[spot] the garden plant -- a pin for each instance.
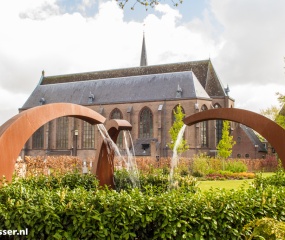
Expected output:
(71, 205)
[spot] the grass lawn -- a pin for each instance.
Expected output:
(227, 184)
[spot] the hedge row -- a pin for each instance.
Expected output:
(70, 211)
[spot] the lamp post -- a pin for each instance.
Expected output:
(166, 149)
(75, 147)
(256, 147)
(84, 168)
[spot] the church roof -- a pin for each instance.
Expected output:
(203, 70)
(253, 138)
(140, 88)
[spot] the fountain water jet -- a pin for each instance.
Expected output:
(131, 161)
(175, 156)
(104, 160)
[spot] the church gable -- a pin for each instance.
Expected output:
(213, 85)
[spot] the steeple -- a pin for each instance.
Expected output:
(143, 54)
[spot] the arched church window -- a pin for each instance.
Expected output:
(175, 110)
(146, 123)
(219, 126)
(117, 114)
(38, 138)
(238, 139)
(62, 133)
(88, 135)
(204, 130)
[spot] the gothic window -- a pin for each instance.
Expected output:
(175, 109)
(117, 114)
(88, 135)
(238, 139)
(146, 123)
(38, 138)
(219, 126)
(204, 130)
(62, 133)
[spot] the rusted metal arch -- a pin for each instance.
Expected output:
(104, 160)
(17, 130)
(271, 131)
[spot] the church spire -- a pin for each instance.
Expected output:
(143, 54)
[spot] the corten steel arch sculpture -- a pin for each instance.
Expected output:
(16, 131)
(271, 131)
(104, 160)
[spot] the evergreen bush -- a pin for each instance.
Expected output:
(58, 211)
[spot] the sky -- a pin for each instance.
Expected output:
(245, 41)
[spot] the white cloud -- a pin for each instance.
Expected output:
(254, 41)
(170, 41)
(9, 104)
(42, 11)
(256, 97)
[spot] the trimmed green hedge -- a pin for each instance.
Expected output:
(156, 181)
(278, 179)
(65, 212)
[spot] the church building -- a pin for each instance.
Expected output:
(145, 96)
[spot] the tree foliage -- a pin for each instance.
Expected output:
(270, 112)
(175, 129)
(275, 113)
(146, 3)
(265, 228)
(226, 144)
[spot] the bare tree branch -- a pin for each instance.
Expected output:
(146, 3)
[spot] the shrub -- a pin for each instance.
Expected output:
(64, 213)
(235, 166)
(265, 228)
(198, 173)
(215, 176)
(278, 179)
(69, 180)
(57, 164)
(222, 175)
(204, 165)
(156, 181)
(269, 164)
(201, 164)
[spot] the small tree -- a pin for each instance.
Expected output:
(226, 144)
(175, 129)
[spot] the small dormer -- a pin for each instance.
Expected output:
(42, 101)
(178, 92)
(91, 98)
(227, 90)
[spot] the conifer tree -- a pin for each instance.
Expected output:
(226, 144)
(175, 129)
